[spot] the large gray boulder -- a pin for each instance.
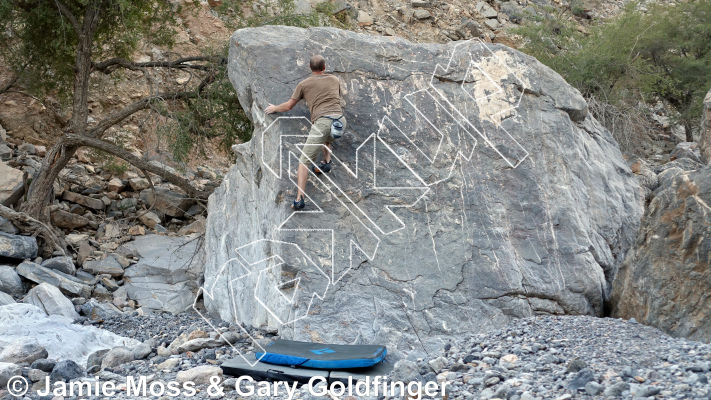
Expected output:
(167, 276)
(66, 283)
(16, 246)
(450, 237)
(50, 300)
(10, 282)
(23, 351)
(62, 339)
(666, 279)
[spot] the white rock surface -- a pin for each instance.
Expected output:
(62, 339)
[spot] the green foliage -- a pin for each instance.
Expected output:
(664, 53)
(214, 118)
(281, 12)
(37, 35)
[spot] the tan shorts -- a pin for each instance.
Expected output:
(319, 135)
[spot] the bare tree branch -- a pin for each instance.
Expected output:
(133, 108)
(70, 16)
(79, 140)
(110, 65)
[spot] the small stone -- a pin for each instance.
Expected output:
(163, 352)
(405, 371)
(138, 184)
(617, 389)
(51, 300)
(168, 364)
(63, 264)
(116, 185)
(421, 14)
(116, 357)
(16, 246)
(492, 24)
(438, 364)
(86, 201)
(150, 219)
(364, 19)
(593, 388)
(96, 358)
(68, 220)
(141, 351)
(10, 281)
(36, 375)
(420, 3)
(65, 371)
(136, 230)
(43, 364)
(575, 365)
(581, 379)
(200, 375)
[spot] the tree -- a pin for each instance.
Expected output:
(58, 44)
(661, 53)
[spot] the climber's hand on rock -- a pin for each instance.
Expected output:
(270, 109)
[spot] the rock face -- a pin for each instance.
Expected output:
(166, 276)
(705, 141)
(62, 339)
(497, 196)
(666, 279)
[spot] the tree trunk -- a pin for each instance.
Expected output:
(39, 196)
(688, 131)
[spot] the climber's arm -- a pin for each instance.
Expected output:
(283, 107)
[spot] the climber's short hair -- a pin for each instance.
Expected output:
(317, 63)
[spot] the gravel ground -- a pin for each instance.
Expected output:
(573, 357)
(536, 358)
(162, 326)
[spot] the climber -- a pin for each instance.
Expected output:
(322, 93)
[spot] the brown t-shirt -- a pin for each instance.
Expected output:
(322, 94)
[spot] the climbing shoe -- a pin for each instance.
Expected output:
(298, 204)
(322, 167)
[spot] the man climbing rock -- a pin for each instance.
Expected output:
(322, 93)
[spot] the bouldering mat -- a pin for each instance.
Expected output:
(238, 366)
(320, 355)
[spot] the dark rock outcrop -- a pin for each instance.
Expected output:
(705, 140)
(457, 201)
(666, 279)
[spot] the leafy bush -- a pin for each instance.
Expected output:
(663, 53)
